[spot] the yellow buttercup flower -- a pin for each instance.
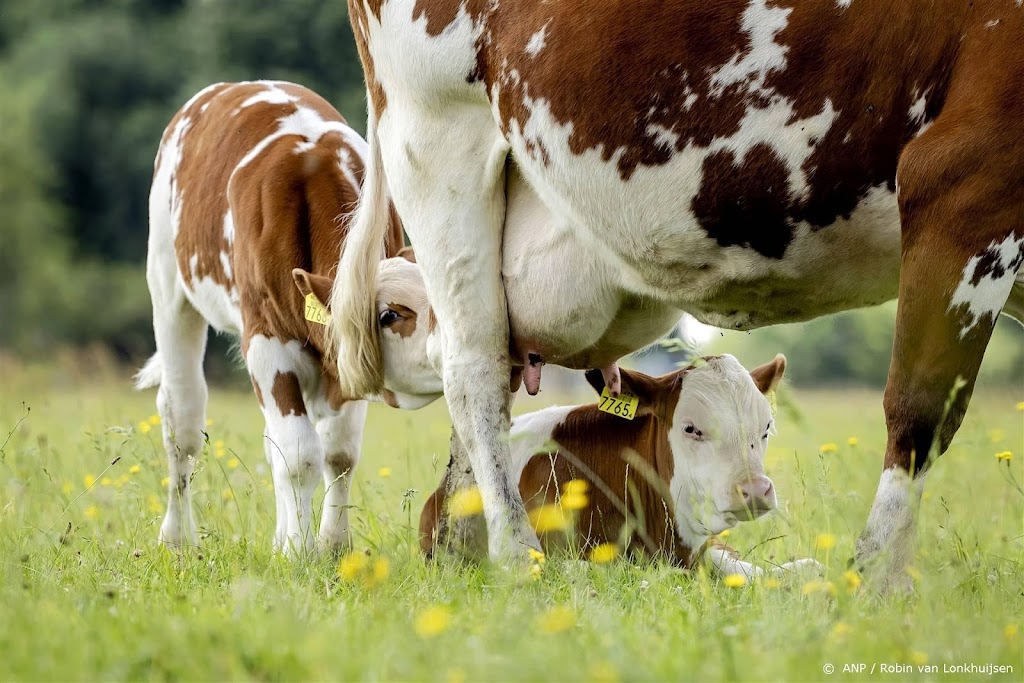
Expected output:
(106, 481)
(852, 580)
(380, 572)
(89, 480)
(912, 573)
(233, 463)
(209, 422)
(154, 420)
(67, 487)
(153, 505)
(135, 469)
(535, 571)
(604, 553)
(1020, 406)
(825, 541)
(456, 676)
(537, 556)
(227, 494)
(828, 448)
(573, 501)
(1004, 456)
(352, 565)
(770, 582)
(724, 533)
(143, 427)
(92, 512)
(1010, 631)
(432, 621)
(165, 481)
(735, 581)
(548, 518)
(466, 503)
(575, 486)
(556, 620)
(852, 441)
(355, 567)
(919, 658)
(384, 472)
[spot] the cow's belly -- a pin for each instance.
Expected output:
(646, 228)
(565, 301)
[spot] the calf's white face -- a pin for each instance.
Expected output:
(717, 421)
(408, 345)
(718, 433)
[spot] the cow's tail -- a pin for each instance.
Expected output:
(354, 335)
(150, 374)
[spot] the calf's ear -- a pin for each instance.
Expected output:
(407, 253)
(317, 284)
(649, 390)
(768, 377)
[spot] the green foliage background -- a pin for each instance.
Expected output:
(87, 88)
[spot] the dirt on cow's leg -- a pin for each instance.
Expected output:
(464, 534)
(963, 244)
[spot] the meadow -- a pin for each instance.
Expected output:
(87, 594)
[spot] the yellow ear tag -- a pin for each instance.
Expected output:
(315, 311)
(623, 406)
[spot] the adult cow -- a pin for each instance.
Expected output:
(750, 162)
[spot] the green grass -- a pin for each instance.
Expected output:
(86, 593)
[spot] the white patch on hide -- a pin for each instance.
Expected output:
(988, 296)
(752, 66)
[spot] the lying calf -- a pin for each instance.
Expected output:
(688, 466)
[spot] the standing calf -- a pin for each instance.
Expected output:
(688, 466)
(253, 180)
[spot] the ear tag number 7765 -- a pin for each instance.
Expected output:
(315, 311)
(623, 406)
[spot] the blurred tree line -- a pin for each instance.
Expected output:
(88, 86)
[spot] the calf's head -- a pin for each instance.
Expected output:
(408, 347)
(717, 422)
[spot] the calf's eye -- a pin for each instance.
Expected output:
(388, 317)
(691, 431)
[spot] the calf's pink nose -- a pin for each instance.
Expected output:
(758, 493)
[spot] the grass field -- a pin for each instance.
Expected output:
(86, 593)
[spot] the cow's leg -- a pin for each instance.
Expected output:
(451, 188)
(963, 242)
(279, 371)
(342, 437)
(181, 401)
(466, 535)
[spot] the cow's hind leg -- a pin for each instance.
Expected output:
(181, 401)
(279, 371)
(450, 187)
(962, 207)
(341, 434)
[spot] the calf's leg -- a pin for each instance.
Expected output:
(279, 371)
(342, 437)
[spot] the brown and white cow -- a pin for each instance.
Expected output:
(687, 466)
(251, 181)
(750, 162)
